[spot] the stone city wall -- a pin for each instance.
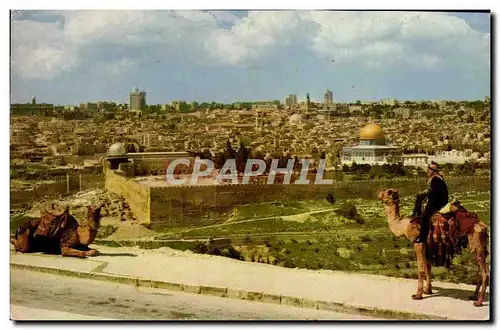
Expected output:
(189, 205)
(136, 195)
(177, 206)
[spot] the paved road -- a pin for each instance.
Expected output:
(72, 298)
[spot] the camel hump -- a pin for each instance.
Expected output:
(52, 223)
(446, 209)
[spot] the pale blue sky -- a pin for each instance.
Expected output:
(68, 57)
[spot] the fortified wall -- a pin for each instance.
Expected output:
(178, 206)
(136, 195)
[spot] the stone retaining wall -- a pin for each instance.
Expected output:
(136, 195)
(178, 206)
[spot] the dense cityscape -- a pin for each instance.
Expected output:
(453, 132)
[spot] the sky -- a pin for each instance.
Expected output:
(70, 57)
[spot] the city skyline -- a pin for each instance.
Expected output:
(69, 57)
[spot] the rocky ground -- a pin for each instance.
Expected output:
(114, 205)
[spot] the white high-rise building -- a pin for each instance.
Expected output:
(290, 100)
(328, 97)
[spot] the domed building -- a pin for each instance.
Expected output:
(372, 149)
(295, 119)
(150, 163)
(117, 149)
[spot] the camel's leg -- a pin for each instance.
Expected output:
(13, 239)
(420, 252)
(70, 252)
(474, 247)
(484, 283)
(428, 277)
(22, 243)
(483, 267)
(478, 286)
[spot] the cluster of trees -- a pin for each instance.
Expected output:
(363, 171)
(381, 171)
(243, 153)
(195, 106)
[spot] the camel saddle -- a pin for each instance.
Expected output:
(51, 223)
(447, 234)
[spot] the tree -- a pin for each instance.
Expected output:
(205, 154)
(467, 168)
(353, 168)
(241, 158)
(219, 160)
(184, 107)
(130, 147)
(296, 163)
(194, 106)
(376, 171)
(229, 152)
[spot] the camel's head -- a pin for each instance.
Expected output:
(389, 196)
(94, 216)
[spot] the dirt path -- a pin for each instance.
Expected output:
(257, 219)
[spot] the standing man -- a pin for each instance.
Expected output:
(437, 198)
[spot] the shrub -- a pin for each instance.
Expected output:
(247, 239)
(289, 263)
(365, 238)
(330, 199)
(360, 220)
(200, 248)
(347, 210)
(316, 249)
(293, 240)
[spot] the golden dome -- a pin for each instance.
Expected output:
(371, 132)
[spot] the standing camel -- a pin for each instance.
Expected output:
(476, 234)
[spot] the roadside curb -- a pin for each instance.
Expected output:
(235, 294)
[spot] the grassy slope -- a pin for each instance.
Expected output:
(329, 241)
